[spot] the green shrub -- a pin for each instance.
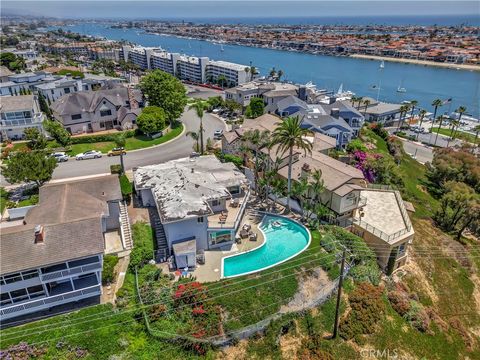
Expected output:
(90, 139)
(125, 186)
(236, 160)
(356, 145)
(109, 262)
(115, 169)
(143, 248)
(328, 243)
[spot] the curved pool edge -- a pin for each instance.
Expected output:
(269, 266)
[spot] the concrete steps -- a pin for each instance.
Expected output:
(162, 253)
(126, 229)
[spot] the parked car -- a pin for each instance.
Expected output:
(194, 154)
(60, 156)
(91, 154)
(116, 151)
(218, 134)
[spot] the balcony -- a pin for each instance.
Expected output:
(72, 271)
(362, 201)
(233, 213)
(8, 312)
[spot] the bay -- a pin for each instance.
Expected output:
(423, 83)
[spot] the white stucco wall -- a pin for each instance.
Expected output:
(187, 228)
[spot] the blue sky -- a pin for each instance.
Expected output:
(217, 8)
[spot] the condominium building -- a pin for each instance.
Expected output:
(17, 114)
(189, 68)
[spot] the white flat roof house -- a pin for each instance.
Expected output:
(17, 114)
(199, 199)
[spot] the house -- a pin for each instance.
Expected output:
(200, 203)
(270, 92)
(54, 255)
(4, 74)
(17, 114)
(90, 111)
(380, 112)
(385, 226)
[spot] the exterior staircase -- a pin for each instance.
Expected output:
(125, 227)
(162, 253)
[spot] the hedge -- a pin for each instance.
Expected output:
(125, 186)
(89, 139)
(109, 262)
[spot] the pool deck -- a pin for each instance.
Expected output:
(212, 269)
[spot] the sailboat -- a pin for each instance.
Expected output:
(401, 89)
(221, 47)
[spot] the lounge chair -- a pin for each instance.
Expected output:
(244, 233)
(247, 227)
(253, 237)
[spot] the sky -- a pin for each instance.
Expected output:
(185, 9)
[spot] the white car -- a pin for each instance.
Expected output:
(218, 134)
(91, 154)
(60, 156)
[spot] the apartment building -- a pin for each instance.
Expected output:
(200, 203)
(17, 114)
(54, 255)
(188, 68)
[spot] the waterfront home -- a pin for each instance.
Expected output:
(385, 226)
(90, 111)
(53, 255)
(270, 92)
(377, 111)
(199, 202)
(17, 114)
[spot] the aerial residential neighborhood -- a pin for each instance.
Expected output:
(239, 186)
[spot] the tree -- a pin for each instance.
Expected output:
(31, 166)
(441, 117)
(287, 136)
(215, 102)
(199, 107)
(359, 99)
(36, 140)
(255, 108)
(422, 114)
(221, 80)
(151, 120)
(403, 112)
(120, 140)
(256, 140)
(279, 74)
(196, 137)
(57, 131)
(461, 110)
(164, 90)
(477, 130)
(366, 102)
(413, 104)
(436, 104)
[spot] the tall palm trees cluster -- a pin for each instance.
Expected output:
(288, 137)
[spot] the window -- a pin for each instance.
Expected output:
(102, 124)
(90, 260)
(115, 122)
(105, 112)
(401, 250)
(67, 90)
(12, 278)
(215, 202)
(76, 116)
(200, 219)
(30, 274)
(5, 299)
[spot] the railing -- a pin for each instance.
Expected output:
(71, 271)
(231, 224)
(51, 300)
(379, 233)
(361, 202)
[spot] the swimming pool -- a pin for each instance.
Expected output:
(282, 242)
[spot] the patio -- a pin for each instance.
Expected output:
(229, 216)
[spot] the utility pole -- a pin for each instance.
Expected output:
(339, 295)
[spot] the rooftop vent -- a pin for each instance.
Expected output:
(39, 234)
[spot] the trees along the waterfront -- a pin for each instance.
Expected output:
(288, 135)
(461, 110)
(422, 114)
(436, 104)
(366, 102)
(441, 117)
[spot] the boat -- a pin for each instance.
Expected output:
(221, 47)
(401, 89)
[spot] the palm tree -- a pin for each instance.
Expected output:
(477, 130)
(366, 102)
(359, 99)
(253, 72)
(288, 135)
(353, 100)
(454, 123)
(195, 136)
(403, 113)
(273, 73)
(120, 141)
(461, 110)
(279, 74)
(247, 70)
(257, 140)
(422, 114)
(413, 104)
(436, 103)
(438, 130)
(199, 107)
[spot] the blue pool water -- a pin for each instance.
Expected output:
(281, 243)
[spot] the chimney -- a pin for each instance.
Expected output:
(39, 234)
(131, 99)
(335, 112)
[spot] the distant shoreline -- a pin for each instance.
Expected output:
(418, 62)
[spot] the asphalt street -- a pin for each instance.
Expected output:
(179, 147)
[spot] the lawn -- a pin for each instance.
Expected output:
(462, 135)
(132, 143)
